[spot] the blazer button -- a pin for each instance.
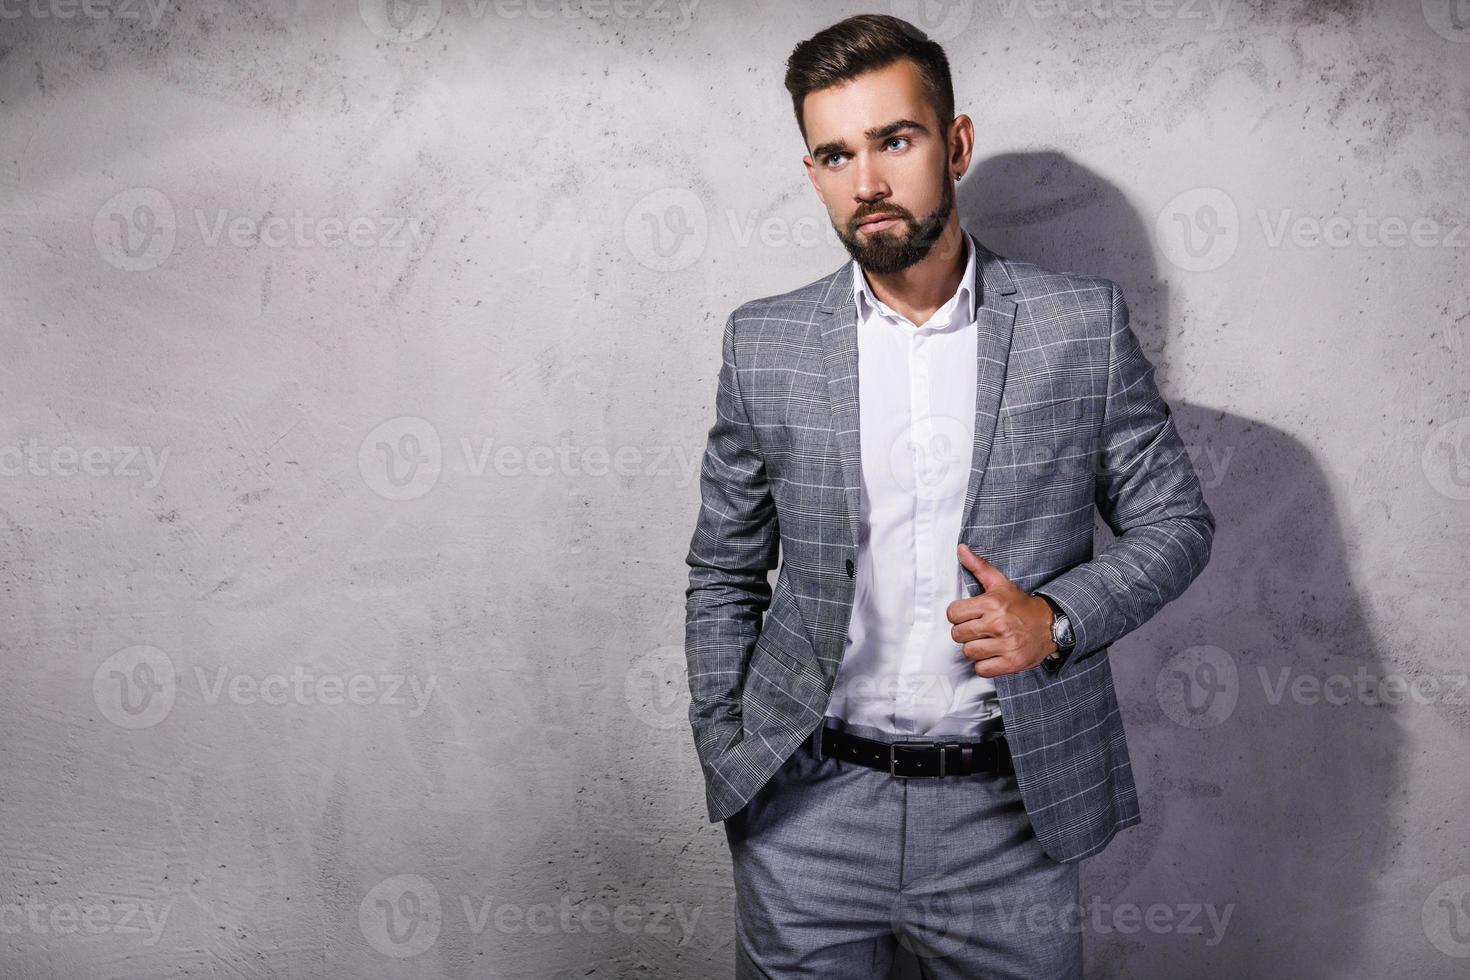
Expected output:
(850, 570)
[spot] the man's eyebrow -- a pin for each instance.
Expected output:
(875, 135)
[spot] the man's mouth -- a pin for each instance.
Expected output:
(877, 222)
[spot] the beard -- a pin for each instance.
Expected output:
(885, 252)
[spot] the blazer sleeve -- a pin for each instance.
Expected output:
(735, 543)
(1149, 495)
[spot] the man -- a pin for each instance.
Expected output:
(914, 736)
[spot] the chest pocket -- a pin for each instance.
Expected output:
(1053, 418)
(1045, 444)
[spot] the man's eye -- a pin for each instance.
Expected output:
(830, 157)
(898, 139)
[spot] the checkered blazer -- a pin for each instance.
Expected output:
(1068, 422)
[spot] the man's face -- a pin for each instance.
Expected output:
(881, 165)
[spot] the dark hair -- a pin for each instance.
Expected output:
(866, 43)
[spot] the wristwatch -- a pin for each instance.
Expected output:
(1061, 635)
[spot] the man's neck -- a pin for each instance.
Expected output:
(918, 291)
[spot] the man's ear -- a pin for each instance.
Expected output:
(963, 138)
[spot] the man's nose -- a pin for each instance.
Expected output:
(872, 183)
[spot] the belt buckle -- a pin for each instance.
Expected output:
(893, 754)
(944, 748)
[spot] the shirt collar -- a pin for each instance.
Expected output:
(957, 311)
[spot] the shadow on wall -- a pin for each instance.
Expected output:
(1265, 764)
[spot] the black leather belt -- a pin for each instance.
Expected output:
(931, 757)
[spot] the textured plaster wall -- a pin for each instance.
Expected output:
(356, 363)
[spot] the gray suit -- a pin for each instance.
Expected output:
(1067, 416)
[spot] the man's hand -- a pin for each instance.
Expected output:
(1004, 630)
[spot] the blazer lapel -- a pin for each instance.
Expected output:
(995, 316)
(837, 323)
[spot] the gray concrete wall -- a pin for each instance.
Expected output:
(355, 373)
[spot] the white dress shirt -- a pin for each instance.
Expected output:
(901, 670)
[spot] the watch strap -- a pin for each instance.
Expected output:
(1055, 661)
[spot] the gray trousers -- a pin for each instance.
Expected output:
(837, 864)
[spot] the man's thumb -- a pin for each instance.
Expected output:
(989, 577)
